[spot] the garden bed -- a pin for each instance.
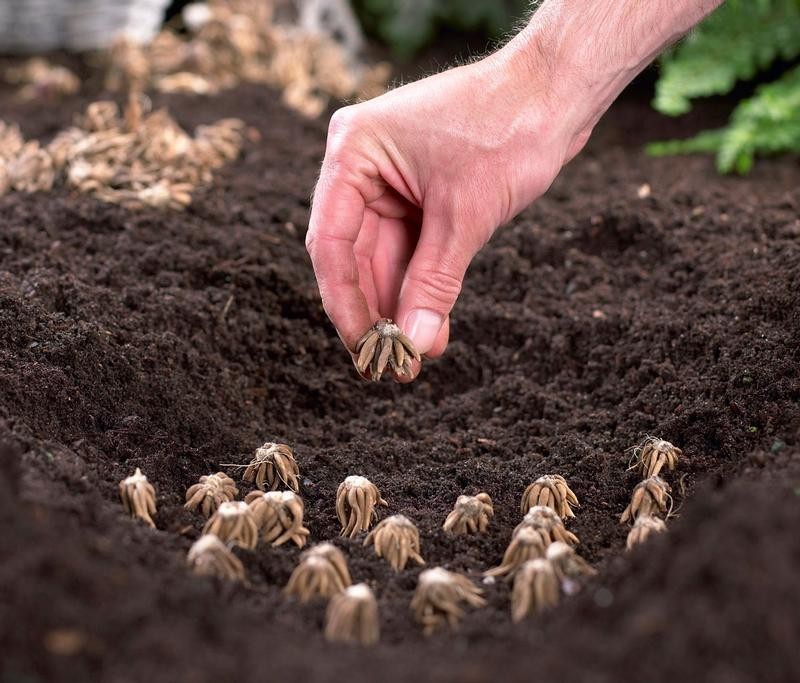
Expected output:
(177, 341)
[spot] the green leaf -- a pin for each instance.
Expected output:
(767, 123)
(740, 39)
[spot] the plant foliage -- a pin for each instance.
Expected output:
(767, 123)
(734, 44)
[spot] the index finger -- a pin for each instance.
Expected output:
(337, 214)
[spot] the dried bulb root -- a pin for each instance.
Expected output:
(100, 116)
(273, 464)
(11, 140)
(5, 179)
(138, 497)
(650, 497)
(396, 539)
(439, 596)
(279, 516)
(552, 491)
(548, 525)
(127, 69)
(644, 527)
(209, 556)
(352, 616)
(654, 454)
(567, 563)
(356, 499)
(62, 146)
(210, 492)
(536, 589)
(41, 80)
(220, 142)
(470, 514)
(526, 544)
(384, 345)
(322, 571)
(162, 194)
(31, 170)
(234, 522)
(186, 83)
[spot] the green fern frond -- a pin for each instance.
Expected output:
(735, 43)
(767, 123)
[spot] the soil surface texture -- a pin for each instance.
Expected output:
(176, 342)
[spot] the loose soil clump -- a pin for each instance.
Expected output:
(176, 342)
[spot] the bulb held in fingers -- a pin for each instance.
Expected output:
(385, 346)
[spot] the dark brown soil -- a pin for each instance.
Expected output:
(175, 342)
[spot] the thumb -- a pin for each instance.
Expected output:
(431, 286)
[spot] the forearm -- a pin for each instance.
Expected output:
(594, 48)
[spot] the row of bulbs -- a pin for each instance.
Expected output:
(540, 558)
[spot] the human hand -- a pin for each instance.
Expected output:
(416, 181)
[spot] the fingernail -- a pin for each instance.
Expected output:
(422, 327)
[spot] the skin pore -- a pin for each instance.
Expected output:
(416, 181)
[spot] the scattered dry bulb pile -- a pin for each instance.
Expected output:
(272, 465)
(127, 68)
(356, 499)
(279, 516)
(136, 158)
(548, 525)
(526, 544)
(470, 514)
(439, 596)
(567, 563)
(536, 589)
(211, 491)
(322, 571)
(209, 556)
(231, 41)
(40, 80)
(234, 522)
(396, 539)
(352, 616)
(643, 528)
(11, 143)
(654, 454)
(650, 497)
(384, 345)
(24, 166)
(138, 497)
(551, 491)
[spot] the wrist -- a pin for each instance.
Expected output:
(545, 62)
(584, 56)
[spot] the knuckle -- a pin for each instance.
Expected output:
(343, 124)
(341, 149)
(310, 243)
(439, 286)
(339, 120)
